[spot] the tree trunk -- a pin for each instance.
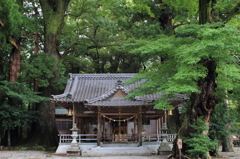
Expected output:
(35, 82)
(204, 11)
(14, 61)
(166, 20)
(227, 144)
(53, 13)
(201, 105)
(14, 72)
(173, 122)
(9, 138)
(53, 17)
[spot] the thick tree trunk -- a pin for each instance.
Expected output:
(227, 144)
(201, 105)
(53, 13)
(14, 72)
(15, 61)
(35, 89)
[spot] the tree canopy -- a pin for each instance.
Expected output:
(179, 46)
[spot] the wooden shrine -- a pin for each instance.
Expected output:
(99, 107)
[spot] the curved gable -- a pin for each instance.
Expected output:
(116, 93)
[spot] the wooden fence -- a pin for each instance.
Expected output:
(66, 138)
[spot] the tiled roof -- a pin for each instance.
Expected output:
(119, 103)
(94, 88)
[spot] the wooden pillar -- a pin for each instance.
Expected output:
(140, 126)
(73, 115)
(158, 128)
(79, 125)
(134, 128)
(103, 126)
(99, 127)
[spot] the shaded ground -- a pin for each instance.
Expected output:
(48, 155)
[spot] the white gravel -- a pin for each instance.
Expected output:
(47, 155)
(4, 154)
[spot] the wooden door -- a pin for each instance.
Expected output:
(120, 131)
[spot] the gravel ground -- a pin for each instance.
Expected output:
(47, 155)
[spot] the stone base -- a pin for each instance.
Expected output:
(164, 149)
(164, 152)
(74, 150)
(74, 145)
(74, 153)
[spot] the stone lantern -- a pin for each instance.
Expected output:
(164, 148)
(74, 148)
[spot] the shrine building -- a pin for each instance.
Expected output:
(97, 104)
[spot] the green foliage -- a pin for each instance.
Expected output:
(140, 6)
(53, 149)
(40, 67)
(183, 5)
(223, 6)
(15, 99)
(11, 19)
(184, 59)
(199, 143)
(38, 148)
(223, 121)
(98, 48)
(23, 148)
(163, 103)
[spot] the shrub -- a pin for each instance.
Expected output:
(38, 148)
(199, 143)
(23, 148)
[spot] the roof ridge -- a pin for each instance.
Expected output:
(115, 75)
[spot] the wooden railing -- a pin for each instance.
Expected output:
(66, 138)
(158, 137)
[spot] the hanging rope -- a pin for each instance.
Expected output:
(119, 120)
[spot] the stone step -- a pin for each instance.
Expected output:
(120, 145)
(118, 151)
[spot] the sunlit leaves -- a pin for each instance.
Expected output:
(190, 6)
(10, 18)
(187, 54)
